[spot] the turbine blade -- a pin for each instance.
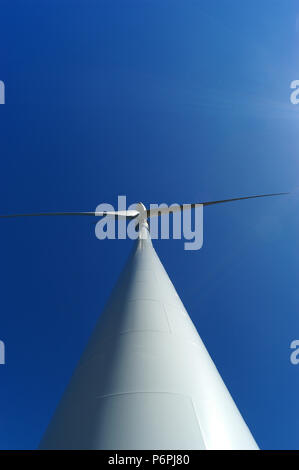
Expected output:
(121, 214)
(131, 214)
(242, 198)
(176, 208)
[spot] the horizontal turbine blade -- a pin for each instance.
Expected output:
(177, 208)
(131, 214)
(241, 198)
(119, 214)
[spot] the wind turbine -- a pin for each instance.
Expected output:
(146, 380)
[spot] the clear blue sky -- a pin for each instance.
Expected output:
(163, 101)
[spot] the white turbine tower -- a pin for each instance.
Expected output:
(146, 380)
